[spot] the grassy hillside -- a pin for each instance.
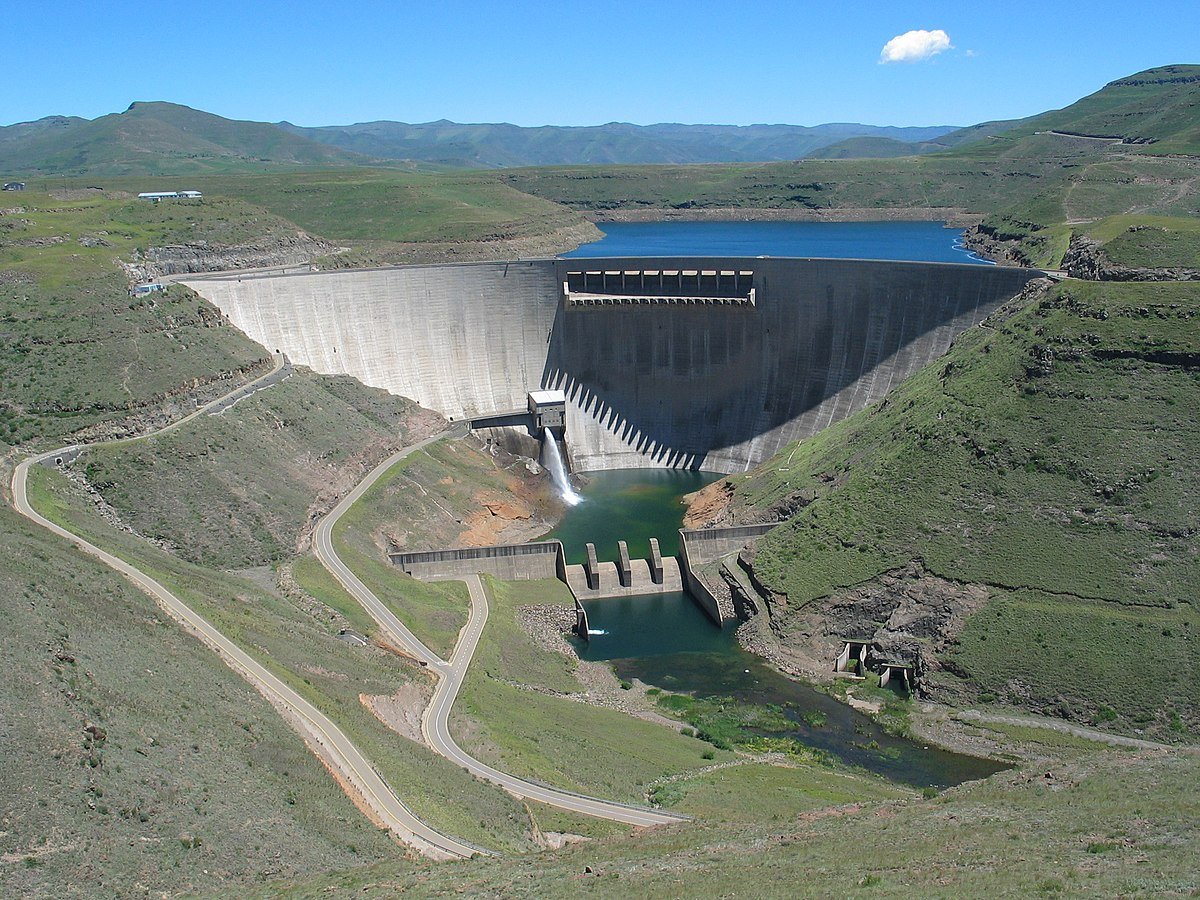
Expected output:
(1052, 459)
(373, 205)
(158, 139)
(1063, 832)
(1155, 109)
(297, 640)
(808, 184)
(133, 756)
(871, 147)
(236, 490)
(75, 348)
(233, 490)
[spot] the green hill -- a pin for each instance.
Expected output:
(873, 148)
(1051, 462)
(158, 139)
(1156, 111)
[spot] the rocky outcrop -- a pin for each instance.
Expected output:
(907, 615)
(181, 259)
(1085, 258)
(157, 412)
(985, 240)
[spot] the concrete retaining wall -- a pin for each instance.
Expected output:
(509, 562)
(707, 545)
(712, 387)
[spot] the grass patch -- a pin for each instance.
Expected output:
(235, 490)
(756, 792)
(184, 746)
(1149, 241)
(315, 579)
(390, 205)
(1002, 837)
(307, 655)
(1058, 742)
(429, 499)
(544, 737)
(1144, 676)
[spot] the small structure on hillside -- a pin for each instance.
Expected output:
(14, 185)
(155, 196)
(548, 408)
(140, 290)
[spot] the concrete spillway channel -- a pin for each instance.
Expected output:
(710, 363)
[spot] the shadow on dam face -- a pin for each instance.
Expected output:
(712, 386)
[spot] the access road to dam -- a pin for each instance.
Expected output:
(435, 722)
(324, 737)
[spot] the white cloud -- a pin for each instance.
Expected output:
(914, 46)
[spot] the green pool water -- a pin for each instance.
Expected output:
(631, 505)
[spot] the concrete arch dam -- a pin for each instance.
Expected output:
(711, 363)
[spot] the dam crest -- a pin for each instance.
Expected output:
(701, 363)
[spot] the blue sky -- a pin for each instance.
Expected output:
(568, 63)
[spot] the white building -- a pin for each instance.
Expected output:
(170, 195)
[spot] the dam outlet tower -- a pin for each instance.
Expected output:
(549, 410)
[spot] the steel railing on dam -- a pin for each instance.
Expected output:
(711, 386)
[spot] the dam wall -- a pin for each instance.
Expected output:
(508, 562)
(651, 379)
(464, 340)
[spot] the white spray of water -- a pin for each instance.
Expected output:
(554, 462)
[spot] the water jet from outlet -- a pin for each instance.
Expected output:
(553, 461)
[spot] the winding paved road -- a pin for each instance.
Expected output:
(353, 769)
(435, 721)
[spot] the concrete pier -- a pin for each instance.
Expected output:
(624, 569)
(591, 570)
(656, 562)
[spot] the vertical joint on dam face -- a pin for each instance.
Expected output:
(656, 563)
(624, 566)
(592, 569)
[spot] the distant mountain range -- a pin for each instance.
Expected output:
(498, 146)
(169, 139)
(1158, 109)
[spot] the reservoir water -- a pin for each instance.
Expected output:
(667, 642)
(918, 241)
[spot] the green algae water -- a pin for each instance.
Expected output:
(666, 641)
(631, 505)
